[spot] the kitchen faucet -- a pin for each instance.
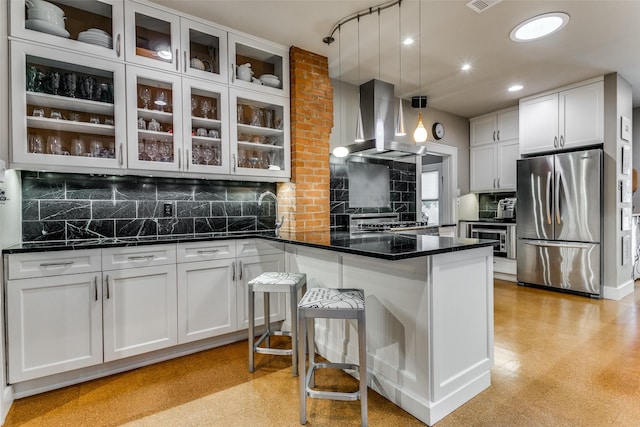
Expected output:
(278, 224)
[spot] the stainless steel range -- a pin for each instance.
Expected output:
(377, 222)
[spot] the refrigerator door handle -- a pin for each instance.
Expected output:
(549, 198)
(547, 243)
(557, 196)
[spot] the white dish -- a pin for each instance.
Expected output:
(97, 31)
(274, 167)
(84, 37)
(45, 15)
(271, 83)
(41, 4)
(269, 76)
(46, 27)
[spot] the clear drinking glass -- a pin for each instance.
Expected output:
(151, 148)
(145, 95)
(77, 147)
(95, 147)
(161, 100)
(205, 106)
(54, 145)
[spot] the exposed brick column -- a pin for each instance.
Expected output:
(305, 200)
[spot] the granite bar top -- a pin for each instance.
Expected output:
(390, 246)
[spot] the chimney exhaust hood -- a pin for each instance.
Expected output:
(377, 107)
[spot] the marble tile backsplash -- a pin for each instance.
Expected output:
(402, 186)
(80, 207)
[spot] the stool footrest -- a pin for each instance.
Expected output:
(269, 350)
(332, 395)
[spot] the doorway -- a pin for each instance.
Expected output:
(446, 157)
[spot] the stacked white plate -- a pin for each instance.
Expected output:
(270, 80)
(97, 37)
(46, 18)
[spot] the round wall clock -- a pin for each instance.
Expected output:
(438, 130)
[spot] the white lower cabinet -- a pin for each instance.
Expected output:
(206, 290)
(139, 303)
(54, 324)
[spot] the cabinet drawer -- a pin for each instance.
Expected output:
(55, 263)
(251, 247)
(138, 256)
(204, 251)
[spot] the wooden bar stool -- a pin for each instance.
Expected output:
(267, 283)
(330, 303)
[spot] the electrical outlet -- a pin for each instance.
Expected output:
(168, 210)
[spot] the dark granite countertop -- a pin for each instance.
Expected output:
(391, 246)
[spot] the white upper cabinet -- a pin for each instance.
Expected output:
(155, 119)
(204, 51)
(494, 150)
(152, 37)
(257, 65)
(67, 111)
(260, 142)
(501, 126)
(92, 26)
(561, 120)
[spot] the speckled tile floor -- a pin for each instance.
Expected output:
(560, 360)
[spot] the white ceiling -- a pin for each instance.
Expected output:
(602, 36)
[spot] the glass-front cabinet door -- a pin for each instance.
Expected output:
(260, 144)
(204, 51)
(206, 127)
(66, 111)
(92, 26)
(154, 111)
(257, 65)
(152, 37)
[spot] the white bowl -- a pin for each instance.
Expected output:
(41, 4)
(46, 15)
(274, 167)
(270, 82)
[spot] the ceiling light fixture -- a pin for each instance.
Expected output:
(539, 26)
(515, 88)
(466, 67)
(340, 150)
(420, 133)
(400, 118)
(408, 41)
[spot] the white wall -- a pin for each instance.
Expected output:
(345, 110)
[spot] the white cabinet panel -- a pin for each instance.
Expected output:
(138, 256)
(206, 251)
(54, 263)
(507, 125)
(483, 130)
(206, 299)
(54, 324)
(508, 154)
(252, 247)
(566, 119)
(483, 164)
(140, 310)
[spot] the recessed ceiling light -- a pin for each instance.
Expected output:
(539, 26)
(515, 88)
(466, 67)
(407, 41)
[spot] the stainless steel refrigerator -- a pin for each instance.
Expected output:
(559, 225)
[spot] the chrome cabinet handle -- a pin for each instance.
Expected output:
(240, 272)
(177, 60)
(555, 141)
(140, 258)
(498, 186)
(494, 183)
(561, 140)
(233, 73)
(185, 61)
(234, 161)
(498, 138)
(494, 135)
(208, 252)
(121, 155)
(233, 271)
(55, 264)
(107, 280)
(95, 287)
(179, 158)
(186, 158)
(118, 45)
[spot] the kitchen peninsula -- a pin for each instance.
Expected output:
(429, 306)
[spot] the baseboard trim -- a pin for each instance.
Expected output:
(619, 292)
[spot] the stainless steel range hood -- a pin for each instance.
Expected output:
(377, 107)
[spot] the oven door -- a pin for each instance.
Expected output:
(497, 234)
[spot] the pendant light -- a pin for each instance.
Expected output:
(400, 118)
(359, 127)
(420, 133)
(341, 150)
